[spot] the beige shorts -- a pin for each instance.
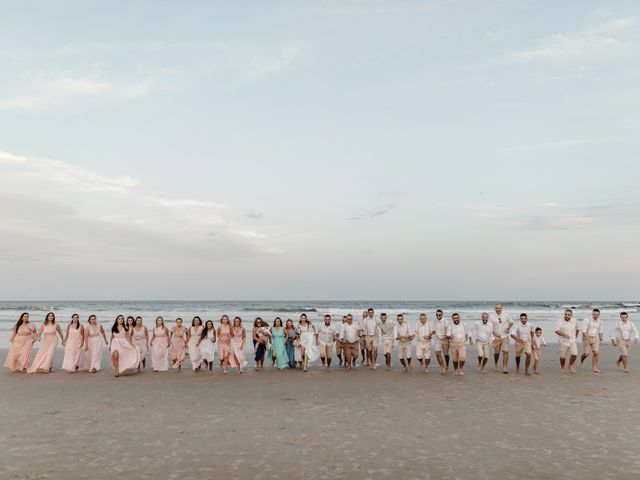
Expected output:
(351, 349)
(442, 345)
(423, 350)
(523, 347)
(340, 346)
(483, 349)
(458, 352)
(371, 341)
(387, 346)
(363, 343)
(404, 349)
(623, 345)
(501, 345)
(591, 344)
(572, 349)
(326, 349)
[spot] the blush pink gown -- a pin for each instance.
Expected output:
(93, 356)
(72, 350)
(140, 342)
(20, 351)
(194, 350)
(236, 350)
(128, 355)
(159, 351)
(178, 347)
(43, 360)
(224, 341)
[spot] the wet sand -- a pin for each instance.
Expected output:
(288, 424)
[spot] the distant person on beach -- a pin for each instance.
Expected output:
(370, 327)
(442, 344)
(325, 338)
(73, 345)
(625, 332)
(290, 338)
(43, 361)
(178, 344)
(523, 334)
(538, 343)
(340, 345)
(592, 336)
(261, 340)
(224, 343)
(567, 331)
(140, 338)
(309, 348)
(386, 328)
(363, 340)
(350, 336)
(160, 346)
(194, 335)
(484, 330)
(23, 336)
(458, 334)
(404, 335)
(502, 325)
(424, 333)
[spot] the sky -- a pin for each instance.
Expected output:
(381, 149)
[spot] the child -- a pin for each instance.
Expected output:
(538, 343)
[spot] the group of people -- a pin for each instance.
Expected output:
(286, 345)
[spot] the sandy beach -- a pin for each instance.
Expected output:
(286, 424)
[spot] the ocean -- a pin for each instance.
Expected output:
(542, 314)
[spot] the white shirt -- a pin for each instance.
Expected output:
(349, 333)
(625, 329)
(369, 325)
(483, 331)
(459, 333)
(440, 326)
(500, 324)
(326, 334)
(387, 329)
(423, 330)
(522, 331)
(591, 327)
(568, 327)
(403, 330)
(538, 342)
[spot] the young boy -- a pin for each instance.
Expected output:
(538, 343)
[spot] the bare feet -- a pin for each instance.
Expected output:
(573, 370)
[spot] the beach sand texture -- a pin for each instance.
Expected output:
(288, 424)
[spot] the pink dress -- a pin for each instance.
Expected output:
(72, 350)
(178, 347)
(18, 357)
(43, 360)
(237, 350)
(140, 342)
(224, 341)
(93, 356)
(194, 350)
(159, 351)
(128, 355)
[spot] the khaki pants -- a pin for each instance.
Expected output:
(458, 352)
(501, 345)
(371, 341)
(387, 346)
(326, 349)
(591, 344)
(572, 349)
(523, 347)
(351, 350)
(483, 348)
(404, 349)
(340, 346)
(623, 345)
(442, 345)
(423, 350)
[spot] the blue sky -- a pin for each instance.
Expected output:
(318, 150)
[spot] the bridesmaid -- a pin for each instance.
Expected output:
(178, 344)
(238, 339)
(160, 347)
(23, 335)
(131, 322)
(309, 348)
(124, 356)
(224, 343)
(194, 336)
(290, 336)
(278, 352)
(93, 344)
(140, 336)
(73, 343)
(43, 361)
(261, 337)
(207, 343)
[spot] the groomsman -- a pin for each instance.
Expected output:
(502, 324)
(424, 333)
(350, 336)
(325, 337)
(404, 336)
(442, 344)
(370, 327)
(387, 328)
(567, 331)
(592, 334)
(522, 333)
(363, 340)
(484, 330)
(340, 346)
(625, 332)
(458, 335)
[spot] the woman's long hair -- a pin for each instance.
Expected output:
(20, 321)
(114, 328)
(205, 330)
(53, 318)
(193, 322)
(77, 318)
(278, 319)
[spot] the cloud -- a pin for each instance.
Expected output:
(377, 212)
(260, 64)
(361, 8)
(595, 41)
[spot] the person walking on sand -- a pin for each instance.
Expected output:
(363, 340)
(340, 346)
(537, 344)
(23, 336)
(160, 347)
(387, 328)
(404, 335)
(625, 330)
(592, 334)
(523, 334)
(484, 330)
(326, 336)
(424, 333)
(350, 336)
(502, 325)
(43, 361)
(370, 327)
(442, 344)
(458, 334)
(178, 344)
(567, 331)
(73, 345)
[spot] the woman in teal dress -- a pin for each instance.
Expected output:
(278, 352)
